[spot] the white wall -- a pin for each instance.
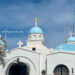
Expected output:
(28, 57)
(67, 59)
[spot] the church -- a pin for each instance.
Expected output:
(35, 58)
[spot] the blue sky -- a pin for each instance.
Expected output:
(17, 15)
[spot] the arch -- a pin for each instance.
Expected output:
(18, 69)
(61, 70)
(25, 60)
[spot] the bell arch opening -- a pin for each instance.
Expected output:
(18, 69)
(61, 70)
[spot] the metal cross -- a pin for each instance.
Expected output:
(71, 34)
(36, 21)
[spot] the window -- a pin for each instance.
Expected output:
(33, 49)
(39, 35)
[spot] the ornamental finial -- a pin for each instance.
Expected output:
(36, 20)
(20, 43)
(71, 34)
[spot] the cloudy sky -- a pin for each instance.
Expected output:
(17, 15)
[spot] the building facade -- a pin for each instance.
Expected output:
(36, 59)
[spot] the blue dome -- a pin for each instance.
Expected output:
(36, 30)
(66, 47)
(2, 42)
(71, 39)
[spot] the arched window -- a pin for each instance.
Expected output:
(61, 70)
(18, 69)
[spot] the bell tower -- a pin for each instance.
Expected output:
(36, 36)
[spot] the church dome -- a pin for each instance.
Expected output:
(69, 45)
(71, 39)
(66, 47)
(2, 42)
(36, 30)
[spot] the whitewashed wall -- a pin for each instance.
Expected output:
(55, 59)
(27, 57)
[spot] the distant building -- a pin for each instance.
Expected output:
(36, 59)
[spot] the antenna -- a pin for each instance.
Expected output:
(6, 34)
(73, 28)
(74, 16)
(64, 33)
(73, 21)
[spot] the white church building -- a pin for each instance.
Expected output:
(36, 59)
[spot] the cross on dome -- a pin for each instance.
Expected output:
(20, 43)
(71, 34)
(36, 20)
